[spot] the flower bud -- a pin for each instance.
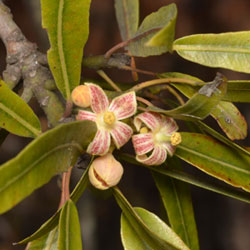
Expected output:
(81, 96)
(105, 172)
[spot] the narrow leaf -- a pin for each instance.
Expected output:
(16, 116)
(51, 153)
(200, 105)
(215, 159)
(177, 201)
(156, 33)
(151, 237)
(226, 50)
(127, 16)
(238, 91)
(67, 24)
(69, 235)
(131, 240)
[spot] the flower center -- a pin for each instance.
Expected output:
(109, 118)
(175, 138)
(143, 130)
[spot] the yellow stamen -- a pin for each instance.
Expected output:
(143, 130)
(175, 139)
(109, 118)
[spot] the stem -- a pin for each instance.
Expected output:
(174, 92)
(68, 109)
(162, 81)
(145, 72)
(140, 99)
(108, 80)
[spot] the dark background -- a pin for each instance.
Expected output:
(223, 223)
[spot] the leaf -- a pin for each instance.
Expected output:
(127, 16)
(131, 240)
(51, 153)
(238, 91)
(226, 50)
(156, 33)
(16, 116)
(67, 24)
(53, 221)
(150, 235)
(69, 235)
(48, 242)
(216, 159)
(231, 121)
(201, 104)
(193, 180)
(177, 201)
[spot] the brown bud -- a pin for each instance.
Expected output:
(81, 96)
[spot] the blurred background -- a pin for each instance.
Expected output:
(223, 223)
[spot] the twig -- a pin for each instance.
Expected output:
(108, 80)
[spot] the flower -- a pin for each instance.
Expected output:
(80, 96)
(107, 118)
(105, 172)
(162, 138)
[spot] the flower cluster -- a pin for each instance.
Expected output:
(157, 137)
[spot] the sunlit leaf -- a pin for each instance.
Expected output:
(51, 153)
(69, 234)
(215, 159)
(226, 50)
(156, 33)
(16, 116)
(67, 24)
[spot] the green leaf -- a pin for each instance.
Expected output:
(67, 24)
(216, 187)
(127, 16)
(51, 153)
(146, 228)
(201, 104)
(48, 242)
(69, 235)
(156, 33)
(226, 50)
(16, 116)
(238, 91)
(216, 159)
(177, 201)
(131, 239)
(53, 221)
(231, 121)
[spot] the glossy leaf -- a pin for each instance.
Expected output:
(16, 116)
(226, 50)
(146, 228)
(51, 153)
(156, 33)
(216, 187)
(231, 121)
(48, 242)
(200, 105)
(69, 235)
(216, 159)
(67, 24)
(177, 201)
(131, 240)
(127, 16)
(238, 91)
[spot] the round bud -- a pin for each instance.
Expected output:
(81, 96)
(105, 172)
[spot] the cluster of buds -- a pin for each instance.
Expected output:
(157, 133)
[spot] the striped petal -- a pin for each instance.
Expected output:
(121, 133)
(99, 100)
(169, 147)
(124, 105)
(85, 115)
(158, 156)
(101, 143)
(169, 125)
(143, 143)
(150, 119)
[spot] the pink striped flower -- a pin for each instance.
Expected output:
(161, 140)
(107, 117)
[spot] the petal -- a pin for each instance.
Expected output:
(99, 100)
(158, 156)
(169, 147)
(85, 115)
(143, 143)
(169, 125)
(124, 105)
(150, 119)
(101, 143)
(121, 133)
